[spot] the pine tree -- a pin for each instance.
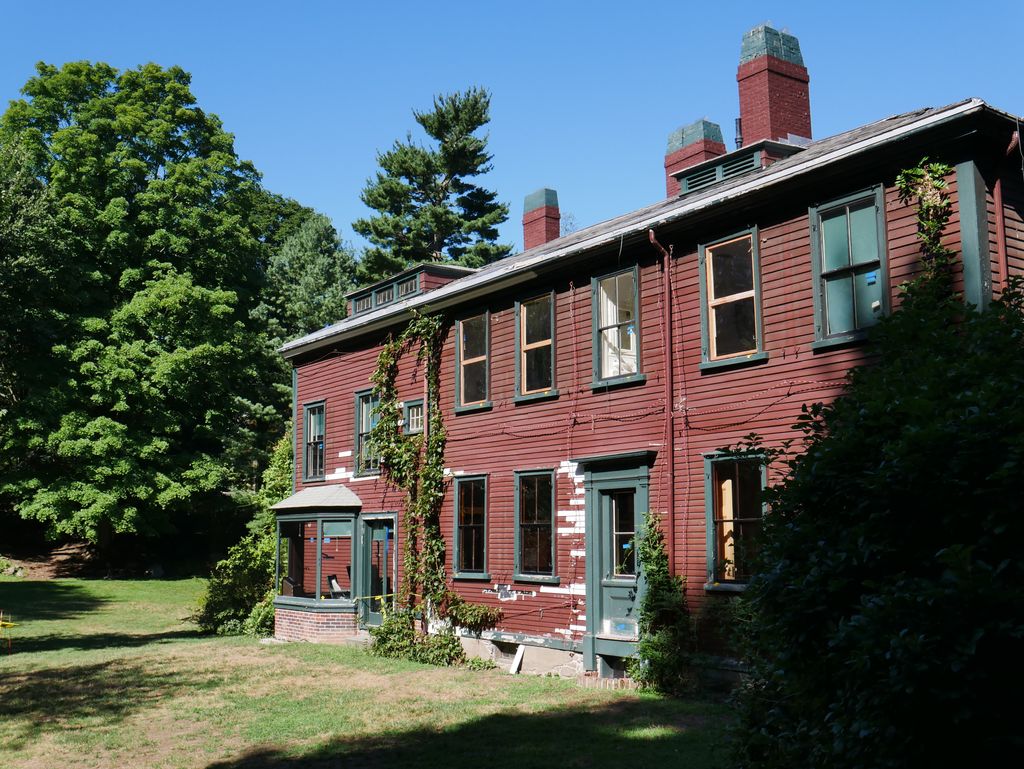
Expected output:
(427, 208)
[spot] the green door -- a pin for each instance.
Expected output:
(380, 568)
(617, 497)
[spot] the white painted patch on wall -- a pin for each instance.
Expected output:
(577, 588)
(577, 553)
(578, 628)
(339, 474)
(342, 454)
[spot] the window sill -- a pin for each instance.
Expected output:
(840, 340)
(724, 587)
(482, 406)
(622, 381)
(541, 396)
(472, 575)
(740, 361)
(317, 479)
(540, 579)
(624, 580)
(367, 474)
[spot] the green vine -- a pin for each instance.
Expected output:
(927, 184)
(415, 463)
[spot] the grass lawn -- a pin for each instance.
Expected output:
(108, 674)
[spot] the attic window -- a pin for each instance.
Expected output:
(363, 304)
(384, 295)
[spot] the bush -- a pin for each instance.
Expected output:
(397, 638)
(239, 595)
(663, 660)
(888, 626)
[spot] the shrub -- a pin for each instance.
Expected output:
(888, 625)
(397, 638)
(666, 633)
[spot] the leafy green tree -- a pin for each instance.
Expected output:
(147, 359)
(307, 279)
(888, 622)
(428, 209)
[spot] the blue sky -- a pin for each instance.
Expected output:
(584, 93)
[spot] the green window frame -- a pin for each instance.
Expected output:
(730, 301)
(849, 265)
(314, 429)
(734, 506)
(616, 344)
(535, 535)
(473, 362)
(469, 557)
(535, 348)
(413, 417)
(366, 462)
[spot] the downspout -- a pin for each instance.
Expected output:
(997, 199)
(669, 427)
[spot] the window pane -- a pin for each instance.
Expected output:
(868, 290)
(538, 368)
(474, 382)
(607, 300)
(623, 531)
(414, 421)
(864, 234)
(474, 337)
(735, 327)
(839, 304)
(538, 320)
(732, 269)
(835, 246)
(544, 565)
(625, 295)
(471, 503)
(610, 352)
(748, 504)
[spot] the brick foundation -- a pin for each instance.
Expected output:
(316, 626)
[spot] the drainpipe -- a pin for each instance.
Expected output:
(670, 433)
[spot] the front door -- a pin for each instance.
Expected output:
(380, 568)
(617, 498)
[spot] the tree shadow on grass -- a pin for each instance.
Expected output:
(633, 732)
(58, 641)
(49, 600)
(85, 696)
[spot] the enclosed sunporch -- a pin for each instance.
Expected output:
(336, 566)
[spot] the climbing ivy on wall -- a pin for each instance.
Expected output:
(415, 463)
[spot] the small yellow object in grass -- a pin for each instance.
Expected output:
(5, 625)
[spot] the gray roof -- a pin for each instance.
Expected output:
(520, 268)
(333, 495)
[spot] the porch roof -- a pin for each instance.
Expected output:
(334, 495)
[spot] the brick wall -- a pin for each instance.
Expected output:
(319, 627)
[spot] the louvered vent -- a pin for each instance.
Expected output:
(727, 169)
(737, 166)
(701, 179)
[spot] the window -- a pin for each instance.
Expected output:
(535, 342)
(848, 249)
(313, 433)
(616, 327)
(623, 519)
(472, 357)
(407, 286)
(384, 295)
(535, 524)
(470, 526)
(730, 299)
(366, 461)
(362, 303)
(413, 417)
(733, 491)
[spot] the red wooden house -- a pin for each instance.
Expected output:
(593, 377)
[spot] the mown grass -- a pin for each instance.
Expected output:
(110, 674)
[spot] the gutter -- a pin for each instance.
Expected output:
(522, 269)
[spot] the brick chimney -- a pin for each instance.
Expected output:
(689, 146)
(774, 94)
(541, 220)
